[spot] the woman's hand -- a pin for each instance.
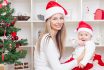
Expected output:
(80, 57)
(81, 65)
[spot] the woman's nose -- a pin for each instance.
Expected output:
(58, 21)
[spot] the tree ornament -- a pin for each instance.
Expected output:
(2, 56)
(7, 24)
(13, 34)
(13, 22)
(10, 46)
(1, 46)
(4, 37)
(6, 52)
(5, 2)
(13, 38)
(1, 3)
(16, 38)
(0, 6)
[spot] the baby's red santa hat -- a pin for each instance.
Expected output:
(83, 26)
(53, 8)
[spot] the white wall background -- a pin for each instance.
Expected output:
(22, 7)
(92, 5)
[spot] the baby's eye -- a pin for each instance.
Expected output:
(81, 34)
(86, 35)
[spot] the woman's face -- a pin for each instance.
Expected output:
(84, 36)
(57, 21)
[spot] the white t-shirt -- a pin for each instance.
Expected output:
(48, 58)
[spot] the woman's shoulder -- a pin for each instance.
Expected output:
(45, 37)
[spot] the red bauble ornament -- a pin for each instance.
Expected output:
(13, 22)
(13, 38)
(16, 38)
(1, 46)
(7, 25)
(13, 34)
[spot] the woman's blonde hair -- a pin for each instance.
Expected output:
(60, 36)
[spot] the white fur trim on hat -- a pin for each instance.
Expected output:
(85, 29)
(52, 11)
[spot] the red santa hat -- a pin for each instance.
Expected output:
(83, 26)
(53, 8)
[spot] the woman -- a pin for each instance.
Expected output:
(49, 50)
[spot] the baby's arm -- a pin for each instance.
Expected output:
(89, 51)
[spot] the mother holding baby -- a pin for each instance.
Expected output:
(50, 47)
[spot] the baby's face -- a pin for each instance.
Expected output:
(84, 36)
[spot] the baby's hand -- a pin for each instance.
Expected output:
(81, 65)
(81, 43)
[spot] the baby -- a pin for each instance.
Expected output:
(84, 45)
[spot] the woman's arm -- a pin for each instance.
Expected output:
(53, 58)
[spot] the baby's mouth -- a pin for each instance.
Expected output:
(83, 40)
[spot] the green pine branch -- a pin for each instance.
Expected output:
(12, 29)
(8, 30)
(11, 58)
(6, 14)
(1, 1)
(23, 42)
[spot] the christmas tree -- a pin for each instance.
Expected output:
(9, 41)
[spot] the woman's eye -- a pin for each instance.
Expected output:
(54, 18)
